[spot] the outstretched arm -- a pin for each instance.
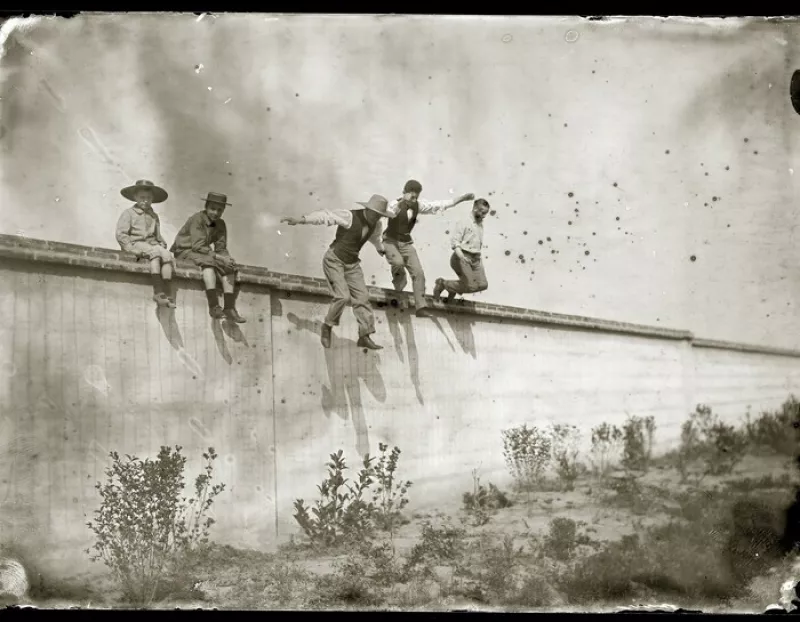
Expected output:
(436, 207)
(341, 218)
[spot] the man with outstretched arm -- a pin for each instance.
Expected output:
(466, 262)
(342, 264)
(397, 241)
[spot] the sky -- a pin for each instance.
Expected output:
(638, 170)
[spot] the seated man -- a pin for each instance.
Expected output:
(139, 232)
(203, 241)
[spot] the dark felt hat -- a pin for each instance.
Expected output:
(216, 197)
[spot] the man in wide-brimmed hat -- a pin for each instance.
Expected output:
(203, 240)
(342, 265)
(139, 232)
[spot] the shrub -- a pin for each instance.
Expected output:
(481, 503)
(340, 515)
(562, 539)
(607, 442)
(527, 455)
(144, 527)
(705, 440)
(438, 545)
(564, 443)
(390, 497)
(775, 431)
(637, 434)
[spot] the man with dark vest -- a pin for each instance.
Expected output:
(342, 265)
(397, 241)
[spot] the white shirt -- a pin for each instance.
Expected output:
(468, 236)
(342, 218)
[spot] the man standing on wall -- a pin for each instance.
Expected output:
(342, 264)
(397, 241)
(466, 262)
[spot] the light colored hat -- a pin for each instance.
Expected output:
(159, 194)
(376, 203)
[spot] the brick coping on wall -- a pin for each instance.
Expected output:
(31, 249)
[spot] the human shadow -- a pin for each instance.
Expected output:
(395, 318)
(166, 317)
(346, 369)
(219, 338)
(461, 324)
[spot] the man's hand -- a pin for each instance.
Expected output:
(290, 221)
(466, 197)
(460, 253)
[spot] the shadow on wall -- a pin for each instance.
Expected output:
(347, 366)
(461, 325)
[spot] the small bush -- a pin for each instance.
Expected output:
(775, 431)
(438, 545)
(607, 442)
(715, 447)
(637, 435)
(527, 455)
(144, 527)
(565, 440)
(390, 497)
(562, 539)
(340, 515)
(481, 503)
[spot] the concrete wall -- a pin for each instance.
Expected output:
(89, 366)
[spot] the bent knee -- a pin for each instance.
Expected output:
(481, 287)
(345, 299)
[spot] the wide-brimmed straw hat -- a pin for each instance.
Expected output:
(216, 197)
(376, 203)
(159, 194)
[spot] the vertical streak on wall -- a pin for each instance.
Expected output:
(273, 301)
(689, 365)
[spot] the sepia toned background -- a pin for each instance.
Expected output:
(642, 183)
(286, 114)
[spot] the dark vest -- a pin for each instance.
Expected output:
(348, 242)
(399, 227)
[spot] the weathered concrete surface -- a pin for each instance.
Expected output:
(89, 366)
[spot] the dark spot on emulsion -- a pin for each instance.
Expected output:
(297, 94)
(747, 140)
(540, 242)
(755, 153)
(667, 152)
(614, 184)
(524, 233)
(713, 198)
(508, 253)
(493, 212)
(283, 400)
(585, 252)
(728, 226)
(523, 164)
(552, 251)
(569, 222)
(693, 258)
(727, 168)
(230, 174)
(565, 125)
(268, 108)
(594, 233)
(617, 217)
(515, 211)
(706, 173)
(570, 194)
(549, 240)
(260, 178)
(447, 232)
(705, 204)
